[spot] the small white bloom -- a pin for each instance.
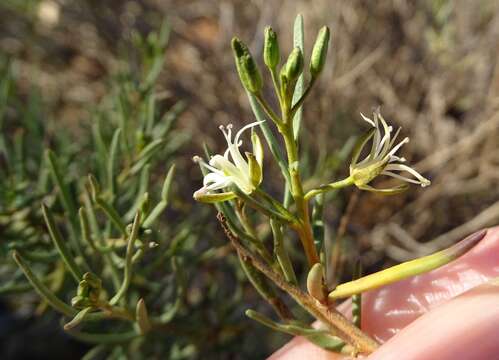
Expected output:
(381, 159)
(232, 168)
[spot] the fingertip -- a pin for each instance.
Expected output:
(463, 328)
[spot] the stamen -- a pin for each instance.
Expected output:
(394, 137)
(400, 177)
(396, 147)
(368, 120)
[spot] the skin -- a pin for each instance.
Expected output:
(449, 313)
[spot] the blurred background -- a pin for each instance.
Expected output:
(431, 65)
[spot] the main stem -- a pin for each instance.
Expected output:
(336, 323)
(303, 227)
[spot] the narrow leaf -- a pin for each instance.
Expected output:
(407, 269)
(298, 41)
(142, 317)
(41, 289)
(60, 244)
(77, 319)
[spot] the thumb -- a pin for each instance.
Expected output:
(465, 327)
(388, 310)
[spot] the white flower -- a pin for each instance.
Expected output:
(232, 168)
(382, 159)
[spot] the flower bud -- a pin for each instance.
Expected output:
(271, 55)
(315, 282)
(319, 52)
(294, 65)
(209, 198)
(246, 67)
(83, 288)
(255, 170)
(257, 147)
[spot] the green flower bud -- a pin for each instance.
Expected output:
(246, 67)
(255, 170)
(210, 198)
(294, 65)
(83, 288)
(319, 52)
(271, 55)
(257, 147)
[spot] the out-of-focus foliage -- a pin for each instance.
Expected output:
(151, 289)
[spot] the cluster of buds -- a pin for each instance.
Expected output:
(88, 292)
(250, 75)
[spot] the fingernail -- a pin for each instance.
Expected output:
(469, 242)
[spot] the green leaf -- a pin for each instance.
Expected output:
(127, 278)
(66, 199)
(60, 244)
(41, 289)
(298, 41)
(111, 162)
(77, 319)
(142, 318)
(104, 338)
(319, 337)
(406, 269)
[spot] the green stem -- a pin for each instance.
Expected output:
(281, 253)
(268, 110)
(300, 101)
(111, 213)
(304, 227)
(332, 186)
(261, 207)
(276, 204)
(128, 261)
(116, 312)
(277, 85)
(92, 219)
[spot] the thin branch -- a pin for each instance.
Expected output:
(335, 321)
